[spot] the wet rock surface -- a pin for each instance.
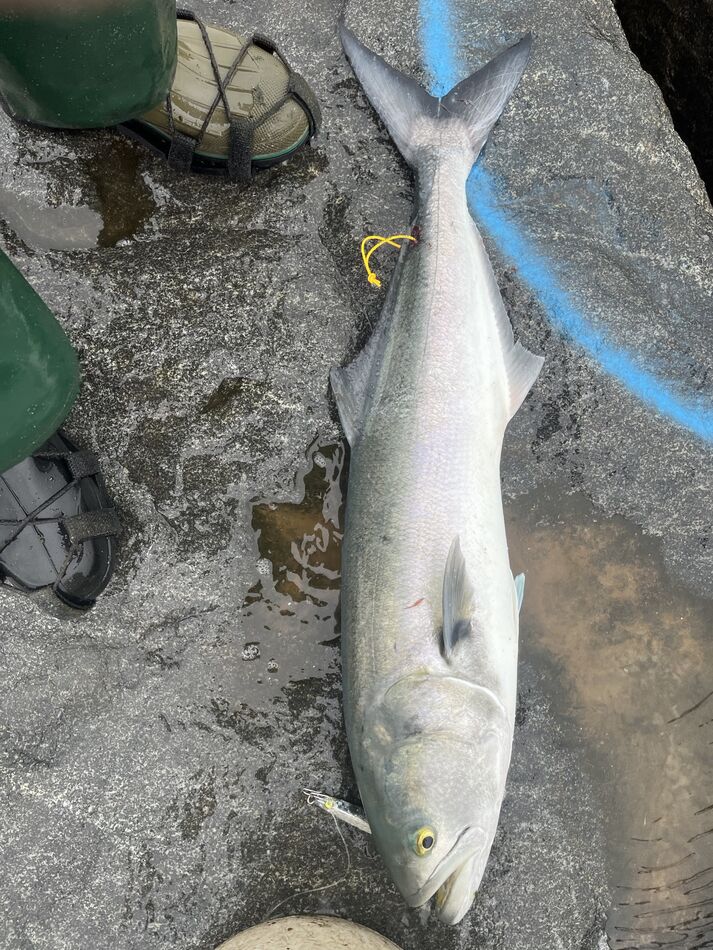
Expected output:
(150, 758)
(672, 40)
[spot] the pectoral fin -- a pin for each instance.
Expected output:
(519, 590)
(458, 600)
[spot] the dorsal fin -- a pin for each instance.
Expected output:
(350, 384)
(458, 600)
(349, 388)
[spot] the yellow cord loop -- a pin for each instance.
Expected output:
(365, 255)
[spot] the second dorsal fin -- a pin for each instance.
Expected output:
(350, 384)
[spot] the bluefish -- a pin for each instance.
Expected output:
(429, 603)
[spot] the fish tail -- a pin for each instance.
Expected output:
(414, 118)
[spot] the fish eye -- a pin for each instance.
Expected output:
(425, 840)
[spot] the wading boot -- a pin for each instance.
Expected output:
(204, 97)
(56, 521)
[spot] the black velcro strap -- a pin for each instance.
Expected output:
(82, 464)
(240, 148)
(299, 89)
(180, 154)
(259, 39)
(92, 524)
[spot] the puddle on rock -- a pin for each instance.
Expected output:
(63, 227)
(631, 660)
(126, 200)
(290, 613)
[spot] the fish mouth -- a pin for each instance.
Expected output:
(455, 896)
(467, 845)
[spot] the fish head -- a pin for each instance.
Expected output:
(435, 812)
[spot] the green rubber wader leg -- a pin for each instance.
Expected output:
(39, 373)
(85, 63)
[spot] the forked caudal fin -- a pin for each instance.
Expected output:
(407, 109)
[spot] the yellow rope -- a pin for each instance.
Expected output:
(365, 255)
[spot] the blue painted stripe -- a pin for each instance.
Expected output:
(695, 414)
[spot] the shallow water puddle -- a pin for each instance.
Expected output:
(631, 657)
(627, 652)
(64, 227)
(291, 611)
(125, 198)
(302, 540)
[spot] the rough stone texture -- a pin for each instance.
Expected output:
(149, 769)
(673, 41)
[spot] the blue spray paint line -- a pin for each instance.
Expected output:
(437, 42)
(695, 415)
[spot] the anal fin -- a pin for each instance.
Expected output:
(523, 368)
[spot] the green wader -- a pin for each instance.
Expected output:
(85, 63)
(66, 64)
(39, 374)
